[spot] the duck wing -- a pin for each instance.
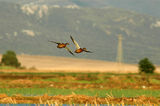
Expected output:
(88, 51)
(54, 42)
(76, 44)
(69, 50)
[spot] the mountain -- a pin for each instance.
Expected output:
(150, 7)
(26, 28)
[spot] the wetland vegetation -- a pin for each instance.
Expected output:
(96, 85)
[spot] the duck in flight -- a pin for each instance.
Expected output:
(63, 45)
(78, 48)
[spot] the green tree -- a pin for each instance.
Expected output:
(146, 66)
(10, 59)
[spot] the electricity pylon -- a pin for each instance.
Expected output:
(119, 50)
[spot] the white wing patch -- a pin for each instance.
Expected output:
(69, 50)
(76, 44)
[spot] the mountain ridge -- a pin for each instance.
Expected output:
(93, 28)
(150, 7)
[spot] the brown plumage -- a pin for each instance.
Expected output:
(62, 45)
(78, 48)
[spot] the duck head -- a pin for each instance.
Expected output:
(84, 49)
(67, 43)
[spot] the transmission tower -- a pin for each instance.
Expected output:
(119, 49)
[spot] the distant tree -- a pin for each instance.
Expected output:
(10, 59)
(146, 66)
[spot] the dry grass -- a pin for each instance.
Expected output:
(52, 64)
(76, 99)
(64, 64)
(80, 80)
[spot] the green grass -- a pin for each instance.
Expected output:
(74, 81)
(88, 82)
(99, 93)
(70, 73)
(52, 79)
(155, 81)
(7, 67)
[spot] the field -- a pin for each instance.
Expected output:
(89, 84)
(64, 64)
(101, 86)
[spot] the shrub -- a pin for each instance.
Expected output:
(10, 59)
(145, 66)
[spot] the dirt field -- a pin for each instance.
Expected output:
(52, 63)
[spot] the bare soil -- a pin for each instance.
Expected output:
(53, 63)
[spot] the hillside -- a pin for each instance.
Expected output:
(26, 28)
(150, 7)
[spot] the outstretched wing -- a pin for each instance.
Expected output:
(88, 51)
(76, 44)
(69, 50)
(54, 42)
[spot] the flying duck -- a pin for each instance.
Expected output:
(78, 48)
(62, 45)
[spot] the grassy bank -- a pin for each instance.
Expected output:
(96, 92)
